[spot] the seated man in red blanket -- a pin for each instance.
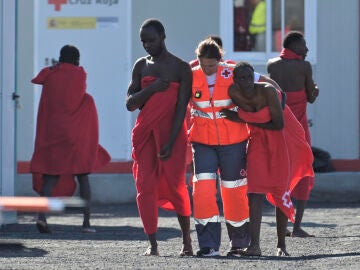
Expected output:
(294, 75)
(67, 134)
(160, 88)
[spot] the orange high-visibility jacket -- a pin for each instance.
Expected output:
(208, 125)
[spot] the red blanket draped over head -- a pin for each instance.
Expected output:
(159, 183)
(67, 131)
(277, 159)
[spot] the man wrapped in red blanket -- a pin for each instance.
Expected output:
(67, 134)
(294, 75)
(278, 155)
(161, 89)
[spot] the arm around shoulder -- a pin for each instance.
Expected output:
(270, 81)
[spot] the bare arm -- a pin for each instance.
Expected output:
(312, 91)
(272, 100)
(276, 112)
(271, 81)
(184, 95)
(136, 98)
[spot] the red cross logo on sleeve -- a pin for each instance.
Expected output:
(226, 73)
(57, 3)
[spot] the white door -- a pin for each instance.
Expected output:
(101, 31)
(7, 106)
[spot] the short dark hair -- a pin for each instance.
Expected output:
(291, 38)
(217, 39)
(69, 54)
(155, 23)
(208, 48)
(243, 64)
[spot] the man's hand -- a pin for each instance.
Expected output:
(161, 85)
(165, 152)
(231, 115)
(315, 92)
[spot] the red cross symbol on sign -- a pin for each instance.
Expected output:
(226, 73)
(57, 3)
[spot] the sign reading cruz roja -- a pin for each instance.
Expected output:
(58, 3)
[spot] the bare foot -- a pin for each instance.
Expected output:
(250, 251)
(186, 250)
(301, 233)
(281, 252)
(151, 252)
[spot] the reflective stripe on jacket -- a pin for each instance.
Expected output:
(208, 125)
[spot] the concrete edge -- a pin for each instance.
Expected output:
(120, 188)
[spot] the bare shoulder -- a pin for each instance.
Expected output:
(177, 60)
(268, 88)
(273, 65)
(262, 85)
(274, 60)
(306, 64)
(141, 61)
(303, 66)
(181, 65)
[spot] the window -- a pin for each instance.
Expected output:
(253, 30)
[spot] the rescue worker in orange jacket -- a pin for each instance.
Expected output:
(218, 145)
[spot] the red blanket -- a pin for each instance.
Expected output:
(159, 183)
(277, 159)
(289, 54)
(67, 131)
(297, 102)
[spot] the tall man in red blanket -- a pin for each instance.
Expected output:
(67, 134)
(160, 88)
(294, 75)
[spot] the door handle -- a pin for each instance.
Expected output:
(15, 96)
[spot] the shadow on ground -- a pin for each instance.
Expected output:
(15, 249)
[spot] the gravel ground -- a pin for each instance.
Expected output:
(120, 241)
